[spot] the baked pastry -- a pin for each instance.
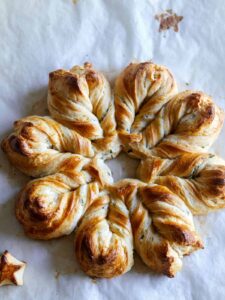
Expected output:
(151, 125)
(81, 99)
(41, 146)
(51, 206)
(140, 91)
(153, 215)
(162, 225)
(11, 270)
(197, 178)
(104, 240)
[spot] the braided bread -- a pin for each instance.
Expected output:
(170, 132)
(198, 179)
(151, 125)
(162, 225)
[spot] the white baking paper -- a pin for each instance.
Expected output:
(38, 36)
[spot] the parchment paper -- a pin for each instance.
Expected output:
(39, 36)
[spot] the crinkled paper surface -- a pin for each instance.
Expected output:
(38, 36)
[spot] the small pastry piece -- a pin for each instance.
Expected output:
(11, 270)
(51, 206)
(103, 240)
(197, 178)
(162, 225)
(81, 100)
(141, 90)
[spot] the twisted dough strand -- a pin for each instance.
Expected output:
(51, 206)
(150, 123)
(162, 225)
(140, 92)
(103, 240)
(81, 100)
(198, 179)
(190, 122)
(39, 144)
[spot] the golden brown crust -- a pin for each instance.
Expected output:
(189, 122)
(172, 132)
(51, 206)
(141, 90)
(103, 240)
(83, 123)
(198, 179)
(11, 270)
(40, 146)
(81, 99)
(162, 225)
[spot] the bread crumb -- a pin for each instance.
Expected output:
(94, 280)
(168, 19)
(65, 272)
(57, 274)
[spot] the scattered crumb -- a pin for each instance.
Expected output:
(187, 83)
(74, 1)
(65, 272)
(168, 19)
(57, 274)
(94, 280)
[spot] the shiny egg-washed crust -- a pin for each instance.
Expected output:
(150, 123)
(162, 225)
(197, 178)
(51, 206)
(81, 100)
